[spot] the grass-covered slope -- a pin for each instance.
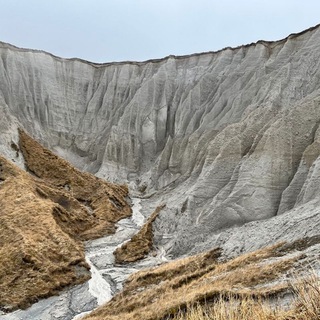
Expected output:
(305, 305)
(103, 201)
(43, 218)
(140, 245)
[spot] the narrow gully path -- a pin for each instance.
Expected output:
(106, 277)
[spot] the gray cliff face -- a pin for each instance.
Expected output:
(223, 138)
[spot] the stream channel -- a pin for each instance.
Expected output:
(106, 280)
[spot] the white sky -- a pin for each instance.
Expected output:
(115, 30)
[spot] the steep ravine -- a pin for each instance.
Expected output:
(228, 140)
(106, 277)
(225, 130)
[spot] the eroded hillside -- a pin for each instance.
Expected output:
(223, 138)
(44, 216)
(228, 140)
(163, 292)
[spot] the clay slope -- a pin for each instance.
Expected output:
(223, 138)
(42, 223)
(103, 201)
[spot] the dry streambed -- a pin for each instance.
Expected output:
(106, 277)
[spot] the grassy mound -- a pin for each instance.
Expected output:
(140, 244)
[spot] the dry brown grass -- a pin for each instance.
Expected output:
(36, 257)
(106, 201)
(307, 302)
(161, 292)
(44, 217)
(305, 305)
(43, 220)
(140, 244)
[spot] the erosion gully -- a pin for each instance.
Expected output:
(107, 278)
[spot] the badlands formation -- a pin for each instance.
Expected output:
(224, 147)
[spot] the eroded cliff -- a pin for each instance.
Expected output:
(223, 138)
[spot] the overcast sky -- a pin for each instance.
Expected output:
(116, 30)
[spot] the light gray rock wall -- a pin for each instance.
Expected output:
(223, 138)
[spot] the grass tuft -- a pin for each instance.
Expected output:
(140, 245)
